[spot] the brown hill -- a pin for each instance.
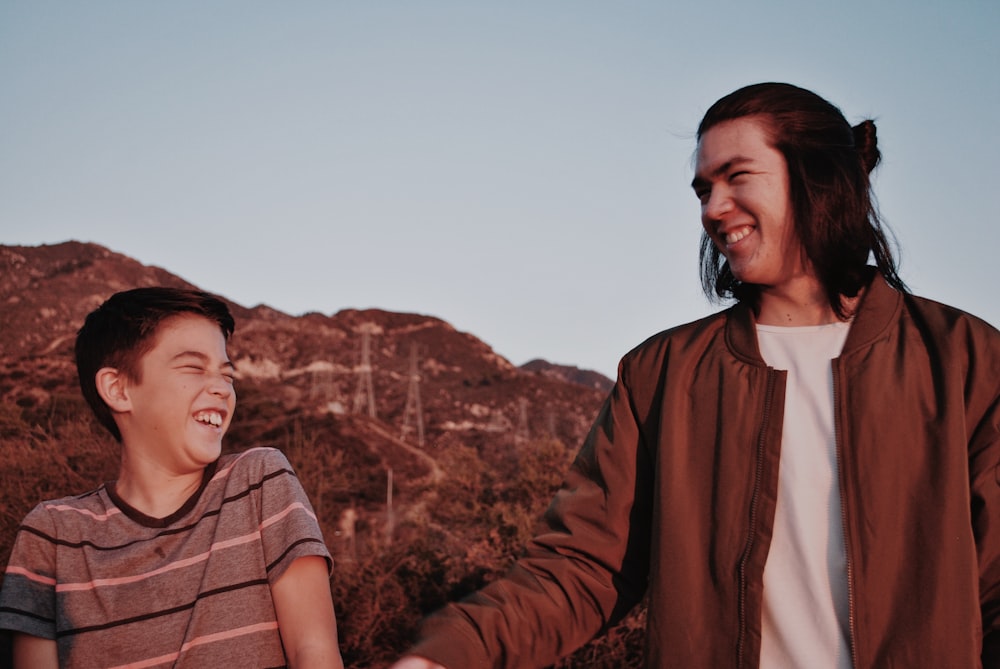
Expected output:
(496, 438)
(570, 373)
(302, 369)
(308, 363)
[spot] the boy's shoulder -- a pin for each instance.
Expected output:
(91, 505)
(55, 516)
(84, 500)
(254, 463)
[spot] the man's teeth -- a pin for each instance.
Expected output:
(209, 417)
(737, 235)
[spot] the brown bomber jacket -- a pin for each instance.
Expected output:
(673, 495)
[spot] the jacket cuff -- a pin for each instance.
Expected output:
(447, 639)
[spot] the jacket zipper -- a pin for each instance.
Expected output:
(851, 640)
(754, 498)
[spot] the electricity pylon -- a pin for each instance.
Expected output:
(412, 407)
(365, 393)
(321, 387)
(522, 434)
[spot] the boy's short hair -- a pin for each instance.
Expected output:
(123, 329)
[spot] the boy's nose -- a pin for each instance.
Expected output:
(220, 385)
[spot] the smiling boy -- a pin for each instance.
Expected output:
(189, 558)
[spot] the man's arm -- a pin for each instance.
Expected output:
(984, 467)
(33, 652)
(585, 572)
(306, 620)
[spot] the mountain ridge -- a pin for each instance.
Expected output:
(80, 275)
(306, 365)
(428, 461)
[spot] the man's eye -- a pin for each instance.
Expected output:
(736, 175)
(702, 194)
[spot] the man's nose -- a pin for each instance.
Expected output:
(718, 204)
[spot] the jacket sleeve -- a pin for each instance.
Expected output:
(585, 572)
(984, 468)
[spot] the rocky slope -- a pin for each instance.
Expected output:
(412, 523)
(302, 370)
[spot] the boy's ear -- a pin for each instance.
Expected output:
(112, 387)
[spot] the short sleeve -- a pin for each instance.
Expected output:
(28, 595)
(288, 524)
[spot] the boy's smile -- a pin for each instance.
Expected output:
(183, 401)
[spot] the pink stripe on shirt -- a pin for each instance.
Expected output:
(87, 512)
(179, 564)
(200, 641)
(30, 575)
(284, 512)
(223, 473)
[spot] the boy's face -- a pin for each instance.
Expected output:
(183, 403)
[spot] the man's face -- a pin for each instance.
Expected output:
(184, 401)
(742, 183)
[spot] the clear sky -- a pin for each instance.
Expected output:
(519, 169)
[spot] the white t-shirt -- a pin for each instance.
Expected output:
(805, 612)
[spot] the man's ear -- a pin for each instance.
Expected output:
(113, 388)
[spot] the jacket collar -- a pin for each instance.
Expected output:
(878, 308)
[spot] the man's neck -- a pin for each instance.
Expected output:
(801, 303)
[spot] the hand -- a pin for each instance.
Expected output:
(414, 662)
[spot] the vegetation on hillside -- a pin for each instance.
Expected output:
(460, 513)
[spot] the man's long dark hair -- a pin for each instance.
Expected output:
(829, 163)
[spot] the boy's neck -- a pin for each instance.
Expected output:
(146, 487)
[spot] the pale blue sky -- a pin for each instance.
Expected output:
(519, 169)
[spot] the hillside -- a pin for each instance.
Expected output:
(495, 438)
(301, 368)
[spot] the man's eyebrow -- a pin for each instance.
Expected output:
(721, 169)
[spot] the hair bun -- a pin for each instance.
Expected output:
(866, 144)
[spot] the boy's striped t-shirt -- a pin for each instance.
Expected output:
(116, 588)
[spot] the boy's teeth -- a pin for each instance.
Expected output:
(209, 417)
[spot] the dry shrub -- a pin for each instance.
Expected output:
(449, 538)
(73, 458)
